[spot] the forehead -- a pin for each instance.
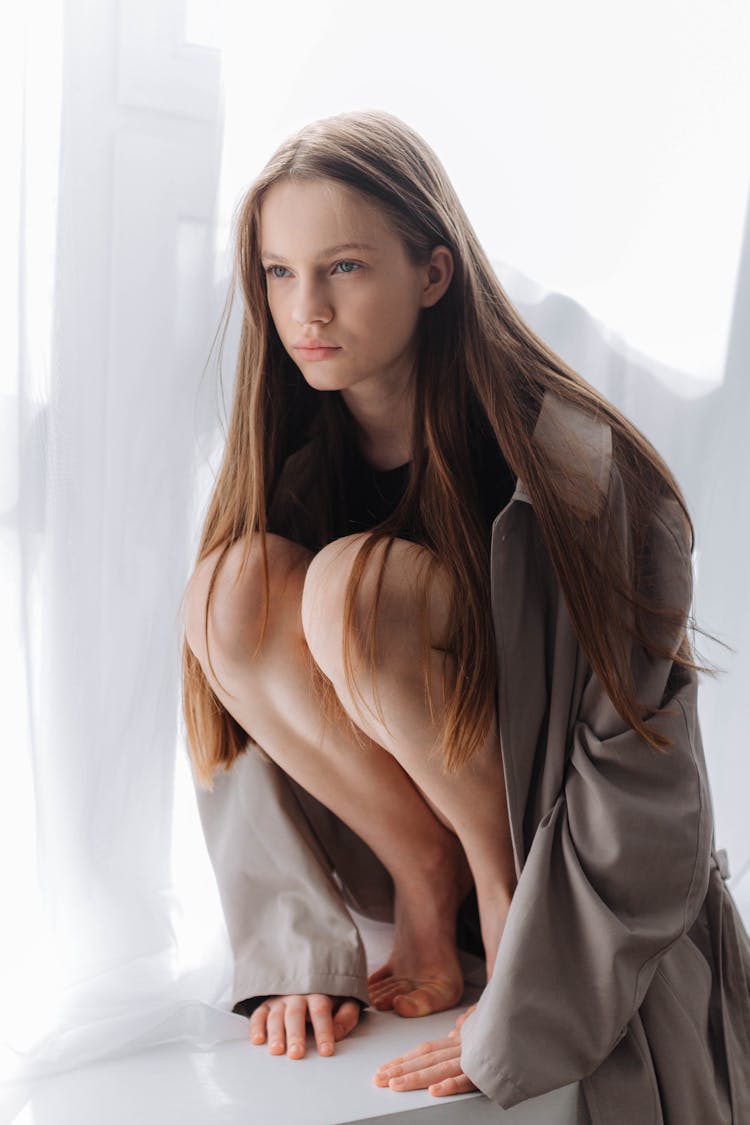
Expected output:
(304, 217)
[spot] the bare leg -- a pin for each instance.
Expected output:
(273, 698)
(473, 802)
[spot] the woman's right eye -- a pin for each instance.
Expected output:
(270, 270)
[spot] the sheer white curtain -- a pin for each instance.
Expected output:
(129, 160)
(116, 314)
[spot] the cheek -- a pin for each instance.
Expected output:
(281, 315)
(388, 316)
(273, 305)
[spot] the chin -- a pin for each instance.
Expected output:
(322, 381)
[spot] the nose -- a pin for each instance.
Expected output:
(311, 305)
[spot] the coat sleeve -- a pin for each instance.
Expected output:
(288, 925)
(615, 873)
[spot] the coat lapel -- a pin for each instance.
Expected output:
(519, 625)
(525, 605)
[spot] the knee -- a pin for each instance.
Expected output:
(237, 598)
(322, 607)
(323, 602)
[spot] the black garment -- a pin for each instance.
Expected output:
(373, 494)
(365, 496)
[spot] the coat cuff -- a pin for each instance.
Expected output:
(484, 1073)
(250, 988)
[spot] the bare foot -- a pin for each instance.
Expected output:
(423, 973)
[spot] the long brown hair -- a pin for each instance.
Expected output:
(473, 348)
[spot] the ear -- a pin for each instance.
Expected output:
(438, 273)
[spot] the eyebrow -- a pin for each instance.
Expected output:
(324, 253)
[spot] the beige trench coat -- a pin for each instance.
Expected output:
(624, 964)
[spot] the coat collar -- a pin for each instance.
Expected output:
(575, 442)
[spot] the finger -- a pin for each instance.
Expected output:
(275, 1028)
(450, 1053)
(386, 1070)
(422, 1055)
(427, 1076)
(421, 1049)
(295, 1026)
(257, 1028)
(455, 1033)
(463, 1018)
(346, 1018)
(461, 1084)
(320, 1007)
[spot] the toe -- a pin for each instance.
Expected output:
(380, 974)
(423, 1001)
(393, 985)
(382, 1004)
(412, 1004)
(382, 995)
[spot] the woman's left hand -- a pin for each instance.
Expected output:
(434, 1066)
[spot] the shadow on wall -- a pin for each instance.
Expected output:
(703, 436)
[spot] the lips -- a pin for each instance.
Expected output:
(313, 351)
(313, 345)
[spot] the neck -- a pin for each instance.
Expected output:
(383, 422)
(385, 453)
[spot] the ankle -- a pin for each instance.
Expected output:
(436, 863)
(496, 893)
(494, 877)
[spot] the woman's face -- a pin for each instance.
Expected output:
(363, 299)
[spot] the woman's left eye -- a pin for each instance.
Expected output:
(347, 263)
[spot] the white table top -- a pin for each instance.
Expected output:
(235, 1082)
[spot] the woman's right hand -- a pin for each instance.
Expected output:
(282, 1020)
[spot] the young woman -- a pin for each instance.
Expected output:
(437, 668)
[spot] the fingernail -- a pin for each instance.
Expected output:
(397, 1082)
(276, 1045)
(257, 1037)
(326, 1048)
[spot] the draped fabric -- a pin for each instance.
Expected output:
(111, 426)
